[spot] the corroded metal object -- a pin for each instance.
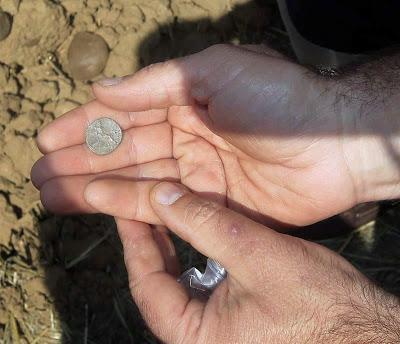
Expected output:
(103, 136)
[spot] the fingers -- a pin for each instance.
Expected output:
(139, 145)
(235, 241)
(65, 195)
(155, 87)
(69, 129)
(215, 231)
(176, 82)
(162, 301)
(167, 248)
(123, 199)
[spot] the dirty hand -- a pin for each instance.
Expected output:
(279, 289)
(243, 125)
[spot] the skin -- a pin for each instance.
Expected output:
(279, 289)
(242, 125)
(251, 133)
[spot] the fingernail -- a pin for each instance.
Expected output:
(110, 82)
(167, 193)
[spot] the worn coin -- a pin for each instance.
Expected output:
(103, 136)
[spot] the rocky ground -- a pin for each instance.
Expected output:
(62, 279)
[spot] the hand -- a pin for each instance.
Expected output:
(242, 125)
(279, 289)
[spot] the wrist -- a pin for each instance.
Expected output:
(371, 146)
(374, 171)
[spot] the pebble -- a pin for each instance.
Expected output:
(5, 25)
(87, 55)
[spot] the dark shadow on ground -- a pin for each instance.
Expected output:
(254, 22)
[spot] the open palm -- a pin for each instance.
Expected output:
(242, 125)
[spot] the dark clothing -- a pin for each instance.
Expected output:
(350, 26)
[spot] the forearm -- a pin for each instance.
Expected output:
(368, 101)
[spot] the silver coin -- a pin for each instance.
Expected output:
(103, 136)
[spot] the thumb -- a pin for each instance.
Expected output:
(217, 232)
(180, 81)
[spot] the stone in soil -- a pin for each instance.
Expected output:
(87, 55)
(5, 25)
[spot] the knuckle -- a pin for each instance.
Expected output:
(91, 165)
(132, 150)
(299, 251)
(246, 243)
(199, 212)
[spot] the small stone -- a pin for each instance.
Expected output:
(5, 25)
(87, 55)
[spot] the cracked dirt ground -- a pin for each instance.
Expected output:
(62, 279)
